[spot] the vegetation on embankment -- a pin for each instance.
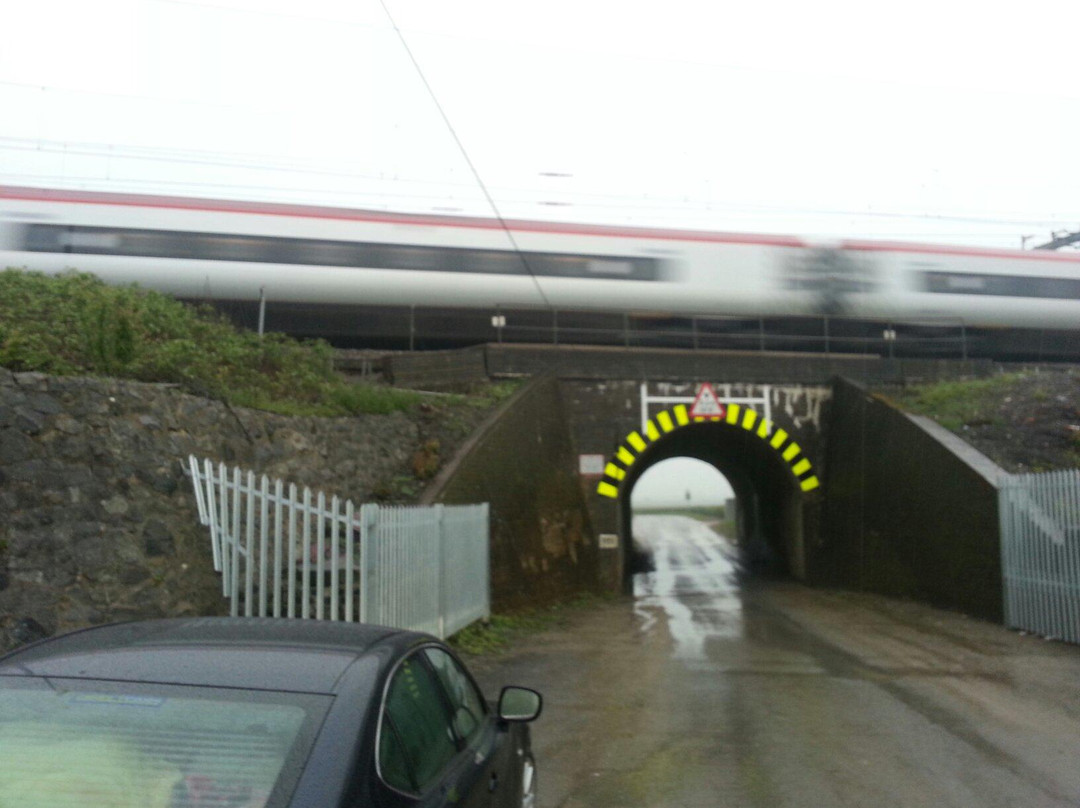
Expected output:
(1024, 422)
(74, 324)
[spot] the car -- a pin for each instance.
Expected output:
(257, 713)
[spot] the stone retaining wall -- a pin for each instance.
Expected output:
(98, 521)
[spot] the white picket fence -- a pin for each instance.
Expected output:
(284, 552)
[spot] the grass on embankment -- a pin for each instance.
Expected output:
(954, 404)
(74, 324)
(1023, 421)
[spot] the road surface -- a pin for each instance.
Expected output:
(706, 690)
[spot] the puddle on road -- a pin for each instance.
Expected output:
(694, 584)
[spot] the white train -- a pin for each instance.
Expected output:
(316, 257)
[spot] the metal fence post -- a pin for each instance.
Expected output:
(440, 526)
(369, 518)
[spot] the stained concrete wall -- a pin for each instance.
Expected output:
(911, 510)
(523, 463)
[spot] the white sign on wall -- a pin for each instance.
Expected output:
(609, 541)
(591, 465)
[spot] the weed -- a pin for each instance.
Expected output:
(498, 632)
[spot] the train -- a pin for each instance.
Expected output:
(353, 275)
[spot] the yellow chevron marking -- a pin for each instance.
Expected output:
(809, 484)
(665, 421)
(733, 413)
(625, 456)
(681, 418)
(778, 438)
(748, 419)
(797, 469)
(607, 490)
(791, 451)
(611, 470)
(650, 431)
(764, 427)
(634, 439)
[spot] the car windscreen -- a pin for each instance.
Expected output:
(91, 744)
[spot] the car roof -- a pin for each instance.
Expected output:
(253, 653)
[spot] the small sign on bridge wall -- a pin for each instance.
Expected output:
(591, 465)
(609, 541)
(706, 403)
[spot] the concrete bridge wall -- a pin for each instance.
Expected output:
(522, 462)
(779, 520)
(910, 509)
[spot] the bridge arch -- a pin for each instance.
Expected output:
(767, 468)
(746, 418)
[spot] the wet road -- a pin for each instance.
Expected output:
(707, 691)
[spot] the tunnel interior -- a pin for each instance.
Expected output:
(769, 524)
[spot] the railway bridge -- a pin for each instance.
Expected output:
(833, 485)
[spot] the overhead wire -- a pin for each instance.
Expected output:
(468, 160)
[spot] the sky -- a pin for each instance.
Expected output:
(668, 482)
(938, 121)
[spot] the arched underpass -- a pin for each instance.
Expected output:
(769, 523)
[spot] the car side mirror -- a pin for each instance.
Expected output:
(519, 704)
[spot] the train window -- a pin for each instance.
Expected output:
(967, 283)
(398, 257)
(598, 266)
(492, 262)
(87, 241)
(317, 252)
(230, 248)
(972, 283)
(43, 238)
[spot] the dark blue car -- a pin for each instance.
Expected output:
(256, 713)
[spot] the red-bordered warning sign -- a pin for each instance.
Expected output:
(706, 404)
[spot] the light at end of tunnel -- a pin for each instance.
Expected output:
(809, 484)
(605, 489)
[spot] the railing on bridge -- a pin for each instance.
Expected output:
(283, 552)
(1040, 552)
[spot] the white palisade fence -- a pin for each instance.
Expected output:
(284, 552)
(1040, 552)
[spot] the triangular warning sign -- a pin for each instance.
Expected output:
(706, 404)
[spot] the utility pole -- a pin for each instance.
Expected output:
(1059, 241)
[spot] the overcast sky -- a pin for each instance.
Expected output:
(953, 122)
